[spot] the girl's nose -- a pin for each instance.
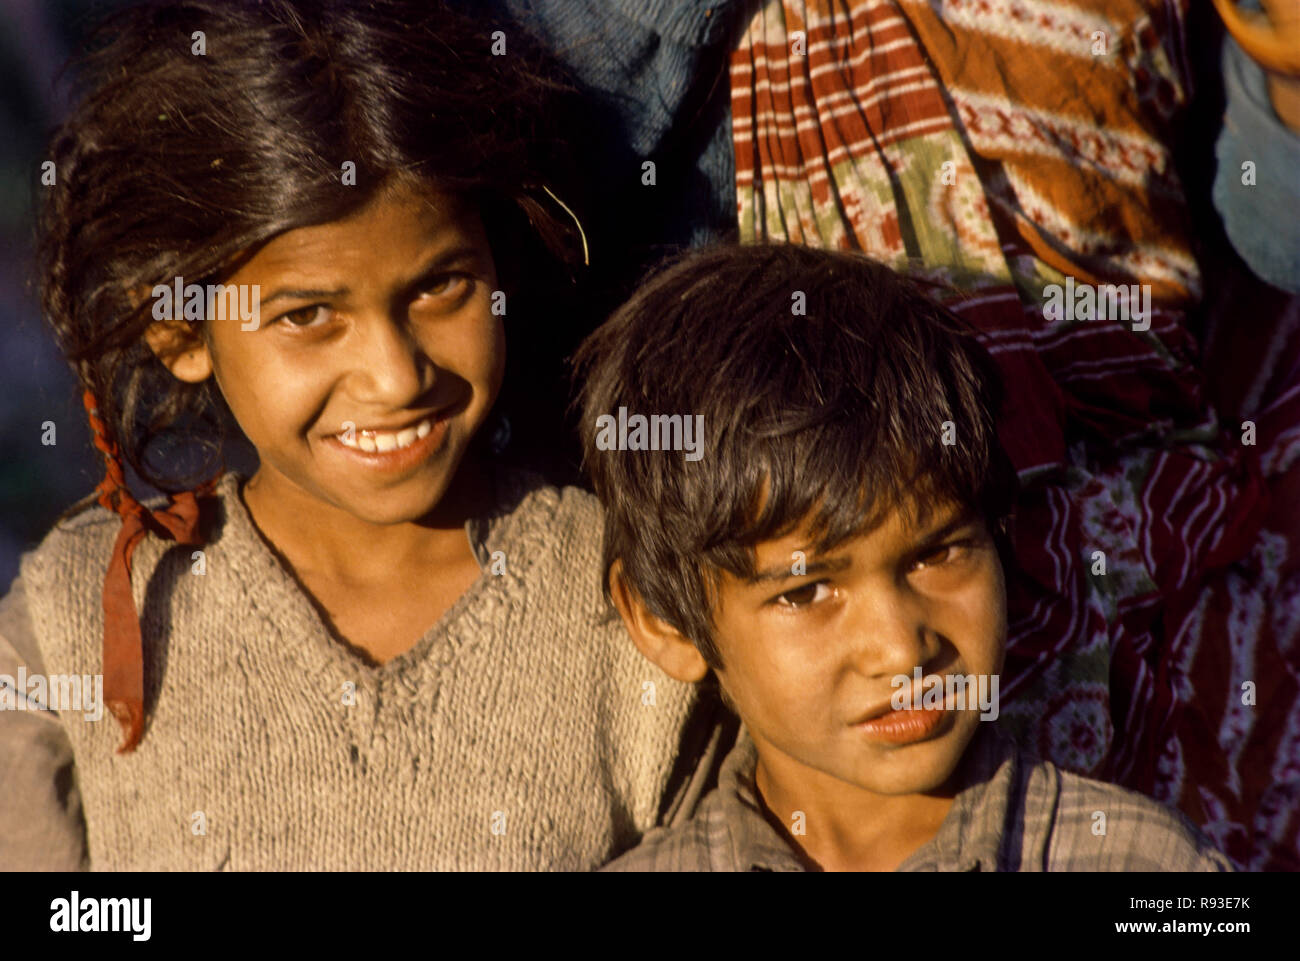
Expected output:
(389, 367)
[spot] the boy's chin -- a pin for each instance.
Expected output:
(926, 767)
(920, 779)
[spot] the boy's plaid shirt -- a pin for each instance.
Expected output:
(1015, 814)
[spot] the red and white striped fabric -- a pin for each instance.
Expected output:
(1004, 146)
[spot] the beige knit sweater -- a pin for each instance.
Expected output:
(524, 731)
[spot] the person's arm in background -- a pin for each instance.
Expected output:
(41, 825)
(1261, 128)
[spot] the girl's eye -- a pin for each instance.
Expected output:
(312, 316)
(447, 284)
(803, 596)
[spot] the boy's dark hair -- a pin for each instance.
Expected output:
(176, 163)
(824, 380)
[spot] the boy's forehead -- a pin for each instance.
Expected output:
(894, 526)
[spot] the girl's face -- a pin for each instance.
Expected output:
(375, 358)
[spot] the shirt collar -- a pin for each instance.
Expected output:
(971, 837)
(752, 843)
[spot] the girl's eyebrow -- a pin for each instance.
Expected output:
(459, 254)
(295, 294)
(444, 258)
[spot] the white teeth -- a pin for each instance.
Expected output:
(382, 441)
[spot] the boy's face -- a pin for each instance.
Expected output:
(808, 658)
(375, 359)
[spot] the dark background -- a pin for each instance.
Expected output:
(36, 482)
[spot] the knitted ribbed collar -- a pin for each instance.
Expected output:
(273, 596)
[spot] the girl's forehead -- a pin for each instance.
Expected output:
(406, 218)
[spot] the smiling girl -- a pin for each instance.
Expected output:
(384, 649)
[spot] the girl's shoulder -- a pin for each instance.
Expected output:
(86, 518)
(68, 566)
(84, 534)
(538, 521)
(528, 513)
(88, 531)
(530, 493)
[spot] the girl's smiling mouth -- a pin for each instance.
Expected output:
(378, 439)
(392, 450)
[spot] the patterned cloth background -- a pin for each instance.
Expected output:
(1001, 146)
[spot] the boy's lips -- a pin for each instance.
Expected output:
(887, 706)
(885, 723)
(903, 727)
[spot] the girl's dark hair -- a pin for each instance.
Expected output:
(179, 162)
(825, 381)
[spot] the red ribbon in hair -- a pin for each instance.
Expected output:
(123, 645)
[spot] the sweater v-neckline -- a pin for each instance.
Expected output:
(281, 600)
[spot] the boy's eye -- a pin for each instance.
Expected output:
(803, 596)
(945, 554)
(312, 316)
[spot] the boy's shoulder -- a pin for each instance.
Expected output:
(1016, 813)
(1104, 827)
(727, 833)
(684, 848)
(1022, 813)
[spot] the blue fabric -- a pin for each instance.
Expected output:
(644, 57)
(1263, 221)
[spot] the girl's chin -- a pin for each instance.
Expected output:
(394, 507)
(406, 485)
(439, 495)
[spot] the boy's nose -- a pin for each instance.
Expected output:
(389, 367)
(892, 637)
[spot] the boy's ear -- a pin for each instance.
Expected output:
(181, 350)
(660, 642)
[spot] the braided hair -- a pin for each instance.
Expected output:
(180, 163)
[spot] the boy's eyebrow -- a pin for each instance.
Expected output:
(960, 518)
(955, 521)
(783, 572)
(441, 260)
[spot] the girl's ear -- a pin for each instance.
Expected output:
(660, 642)
(181, 350)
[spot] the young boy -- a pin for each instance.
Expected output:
(806, 500)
